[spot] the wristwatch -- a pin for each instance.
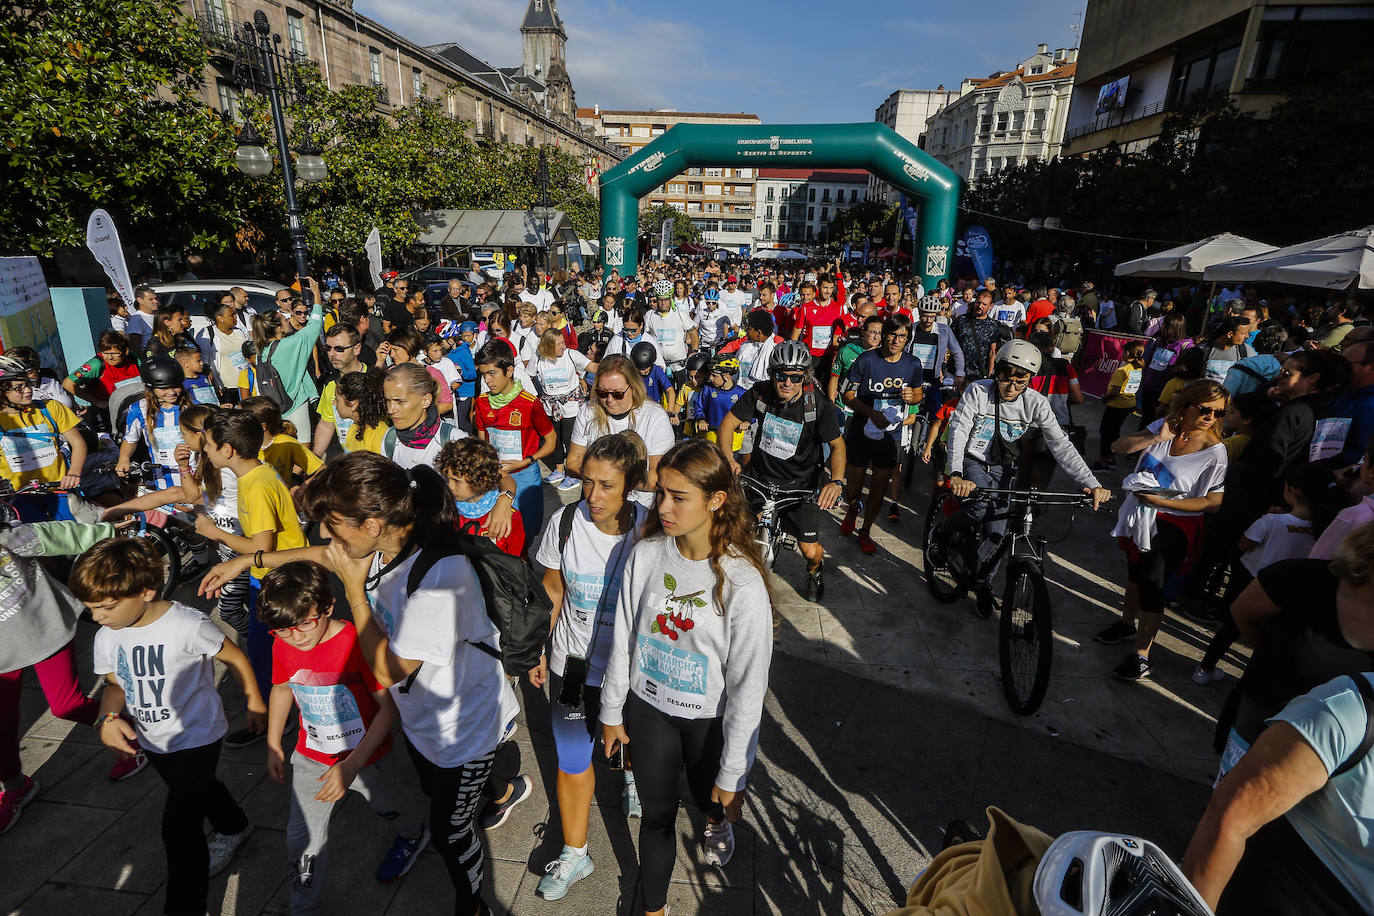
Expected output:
(837, 481)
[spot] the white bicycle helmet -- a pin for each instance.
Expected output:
(931, 304)
(1088, 873)
(1022, 354)
(663, 289)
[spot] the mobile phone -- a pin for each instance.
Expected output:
(574, 680)
(620, 757)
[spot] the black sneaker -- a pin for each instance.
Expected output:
(244, 737)
(1117, 632)
(495, 815)
(893, 513)
(815, 584)
(1133, 668)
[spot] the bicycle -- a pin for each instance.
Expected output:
(956, 562)
(776, 501)
(169, 547)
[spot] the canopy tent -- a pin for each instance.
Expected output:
(494, 229)
(779, 254)
(1192, 259)
(591, 248)
(1341, 261)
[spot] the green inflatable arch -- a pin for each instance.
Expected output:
(932, 187)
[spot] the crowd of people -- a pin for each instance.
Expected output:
(339, 457)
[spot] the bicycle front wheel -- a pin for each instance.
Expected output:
(945, 582)
(1025, 638)
(169, 554)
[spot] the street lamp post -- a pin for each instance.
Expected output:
(261, 66)
(543, 209)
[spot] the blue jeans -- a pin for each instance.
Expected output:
(529, 498)
(975, 512)
(257, 645)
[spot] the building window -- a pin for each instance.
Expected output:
(768, 230)
(825, 195)
(417, 87)
(713, 208)
(1206, 75)
(736, 225)
(782, 213)
(374, 65)
(811, 195)
(1002, 118)
(1035, 70)
(1018, 119)
(1038, 119)
(229, 95)
(782, 232)
(744, 173)
(770, 192)
(693, 206)
(811, 213)
(825, 214)
(295, 32)
(713, 173)
(768, 212)
(1298, 44)
(853, 194)
(985, 125)
(810, 233)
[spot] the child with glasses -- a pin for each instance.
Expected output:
(344, 741)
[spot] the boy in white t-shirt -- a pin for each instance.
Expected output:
(157, 660)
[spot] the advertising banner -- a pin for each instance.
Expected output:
(373, 247)
(978, 244)
(665, 237)
(102, 238)
(1102, 352)
(26, 316)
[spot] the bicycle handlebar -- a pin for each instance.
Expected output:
(1034, 496)
(772, 490)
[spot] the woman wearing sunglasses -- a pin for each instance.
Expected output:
(619, 403)
(1180, 475)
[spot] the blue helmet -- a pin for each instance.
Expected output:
(467, 326)
(711, 295)
(787, 299)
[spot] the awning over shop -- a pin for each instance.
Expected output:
(494, 229)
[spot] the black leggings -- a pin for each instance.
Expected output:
(1228, 632)
(1280, 874)
(1154, 567)
(454, 794)
(563, 429)
(1112, 420)
(194, 795)
(661, 745)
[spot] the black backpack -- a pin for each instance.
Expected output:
(270, 384)
(516, 601)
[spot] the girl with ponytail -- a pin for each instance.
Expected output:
(690, 651)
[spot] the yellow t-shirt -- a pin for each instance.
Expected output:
(285, 454)
(1171, 388)
(36, 455)
(1235, 444)
(1126, 379)
(325, 409)
(369, 441)
(244, 384)
(265, 505)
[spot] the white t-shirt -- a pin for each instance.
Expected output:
(1196, 475)
(753, 360)
(1010, 314)
(140, 327)
(592, 565)
(669, 332)
(542, 299)
(526, 343)
(448, 370)
(168, 678)
(1277, 536)
(650, 421)
(459, 704)
(619, 344)
(736, 303)
(560, 377)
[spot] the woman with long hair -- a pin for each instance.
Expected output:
(558, 375)
(1180, 475)
(1161, 352)
(618, 402)
(582, 577)
(690, 652)
(360, 410)
(433, 645)
(289, 349)
(170, 326)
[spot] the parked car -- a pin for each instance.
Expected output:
(199, 297)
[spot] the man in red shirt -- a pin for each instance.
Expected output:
(893, 300)
(513, 420)
(816, 319)
(875, 293)
(1041, 307)
(853, 316)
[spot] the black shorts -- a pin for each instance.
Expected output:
(861, 451)
(803, 521)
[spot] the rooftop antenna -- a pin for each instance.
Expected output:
(1076, 27)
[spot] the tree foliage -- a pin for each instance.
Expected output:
(865, 219)
(100, 110)
(684, 230)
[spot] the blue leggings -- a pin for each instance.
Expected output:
(574, 730)
(529, 498)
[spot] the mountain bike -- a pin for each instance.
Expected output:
(169, 540)
(967, 558)
(776, 501)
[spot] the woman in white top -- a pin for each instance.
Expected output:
(582, 576)
(688, 669)
(1178, 477)
(417, 431)
(618, 403)
(558, 374)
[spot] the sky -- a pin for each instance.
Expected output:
(755, 56)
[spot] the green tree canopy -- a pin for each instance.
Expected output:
(684, 230)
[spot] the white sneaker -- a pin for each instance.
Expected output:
(718, 843)
(630, 797)
(555, 478)
(570, 483)
(1205, 676)
(223, 846)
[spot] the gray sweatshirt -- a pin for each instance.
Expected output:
(38, 615)
(971, 428)
(674, 648)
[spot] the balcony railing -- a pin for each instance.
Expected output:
(218, 32)
(383, 94)
(1117, 118)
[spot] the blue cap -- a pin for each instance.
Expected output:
(467, 327)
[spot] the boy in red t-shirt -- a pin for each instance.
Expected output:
(513, 420)
(472, 470)
(344, 740)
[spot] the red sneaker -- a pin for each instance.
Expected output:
(866, 543)
(15, 799)
(125, 767)
(847, 526)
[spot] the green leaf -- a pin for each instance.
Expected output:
(669, 582)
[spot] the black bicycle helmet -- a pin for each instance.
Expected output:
(642, 355)
(162, 372)
(13, 370)
(790, 354)
(696, 361)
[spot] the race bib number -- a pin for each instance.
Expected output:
(329, 713)
(779, 437)
(165, 442)
(238, 361)
(557, 379)
(204, 394)
(509, 443)
(820, 337)
(980, 439)
(925, 352)
(674, 678)
(341, 427)
(29, 449)
(1132, 382)
(1217, 369)
(1328, 438)
(1162, 359)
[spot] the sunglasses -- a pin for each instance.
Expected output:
(303, 313)
(1210, 411)
(283, 298)
(305, 626)
(608, 395)
(632, 329)
(333, 349)
(792, 378)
